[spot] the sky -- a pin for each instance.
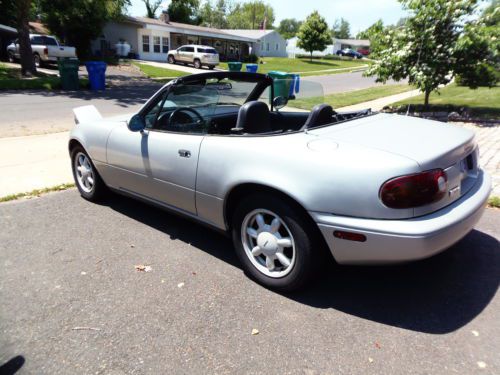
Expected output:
(359, 13)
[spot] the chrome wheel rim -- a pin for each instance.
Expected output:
(84, 172)
(268, 243)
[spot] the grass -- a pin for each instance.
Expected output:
(494, 202)
(304, 66)
(479, 103)
(11, 79)
(345, 99)
(156, 72)
(36, 192)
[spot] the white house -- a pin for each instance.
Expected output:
(269, 43)
(150, 39)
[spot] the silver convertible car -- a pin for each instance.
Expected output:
(229, 150)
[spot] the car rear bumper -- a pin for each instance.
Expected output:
(394, 241)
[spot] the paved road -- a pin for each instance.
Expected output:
(68, 264)
(39, 112)
(343, 82)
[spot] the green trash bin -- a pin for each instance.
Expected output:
(281, 84)
(68, 71)
(234, 66)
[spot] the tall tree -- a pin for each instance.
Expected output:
(214, 15)
(152, 7)
(252, 15)
(314, 34)
(184, 11)
(289, 27)
(341, 29)
(432, 46)
(376, 29)
(79, 22)
(23, 8)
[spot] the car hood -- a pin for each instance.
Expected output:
(431, 144)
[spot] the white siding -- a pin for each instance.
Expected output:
(155, 35)
(271, 40)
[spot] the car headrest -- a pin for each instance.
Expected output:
(253, 118)
(321, 114)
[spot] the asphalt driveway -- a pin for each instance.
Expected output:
(73, 303)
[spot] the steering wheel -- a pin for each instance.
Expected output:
(184, 109)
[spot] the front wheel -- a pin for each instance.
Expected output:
(87, 179)
(274, 242)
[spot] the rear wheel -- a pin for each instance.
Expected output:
(87, 179)
(171, 59)
(37, 60)
(197, 64)
(273, 242)
(211, 67)
(11, 57)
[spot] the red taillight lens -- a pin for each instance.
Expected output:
(414, 190)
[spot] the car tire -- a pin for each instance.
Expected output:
(11, 57)
(37, 60)
(255, 245)
(211, 67)
(197, 64)
(171, 59)
(93, 190)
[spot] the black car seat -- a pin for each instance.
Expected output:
(321, 114)
(253, 118)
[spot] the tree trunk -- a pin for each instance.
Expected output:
(311, 56)
(427, 94)
(28, 67)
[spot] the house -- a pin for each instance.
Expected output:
(355, 44)
(293, 50)
(151, 39)
(269, 42)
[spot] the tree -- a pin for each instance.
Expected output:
(341, 29)
(374, 30)
(289, 27)
(151, 7)
(77, 23)
(214, 15)
(184, 11)
(23, 9)
(314, 34)
(251, 15)
(431, 47)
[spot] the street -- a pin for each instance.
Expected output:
(73, 303)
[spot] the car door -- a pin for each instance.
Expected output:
(189, 54)
(180, 54)
(160, 162)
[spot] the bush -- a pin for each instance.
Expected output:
(252, 58)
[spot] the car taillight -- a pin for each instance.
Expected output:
(414, 190)
(46, 51)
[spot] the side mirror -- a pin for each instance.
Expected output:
(136, 123)
(279, 102)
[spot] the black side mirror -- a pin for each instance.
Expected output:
(136, 123)
(279, 102)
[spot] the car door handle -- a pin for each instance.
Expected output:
(184, 153)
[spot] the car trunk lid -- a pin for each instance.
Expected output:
(431, 144)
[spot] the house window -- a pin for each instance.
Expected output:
(156, 44)
(267, 47)
(145, 43)
(277, 46)
(164, 42)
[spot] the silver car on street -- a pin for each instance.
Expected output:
(291, 187)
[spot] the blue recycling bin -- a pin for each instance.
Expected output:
(252, 68)
(97, 74)
(295, 86)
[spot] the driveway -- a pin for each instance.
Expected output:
(73, 303)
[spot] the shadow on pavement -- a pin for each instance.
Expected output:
(438, 295)
(12, 366)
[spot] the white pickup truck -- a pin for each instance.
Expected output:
(46, 49)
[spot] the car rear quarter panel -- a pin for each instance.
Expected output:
(343, 179)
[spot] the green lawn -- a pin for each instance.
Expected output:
(482, 102)
(11, 79)
(345, 99)
(156, 72)
(304, 66)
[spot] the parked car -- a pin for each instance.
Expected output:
(199, 56)
(368, 187)
(350, 53)
(46, 49)
(364, 51)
